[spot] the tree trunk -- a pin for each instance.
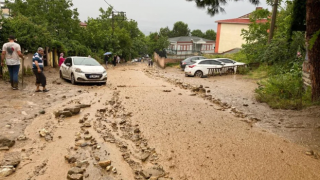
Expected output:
(313, 25)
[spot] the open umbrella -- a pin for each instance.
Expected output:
(107, 53)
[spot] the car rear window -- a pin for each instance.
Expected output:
(226, 60)
(84, 61)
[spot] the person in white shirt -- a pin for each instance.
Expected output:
(11, 52)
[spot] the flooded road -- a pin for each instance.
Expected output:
(143, 125)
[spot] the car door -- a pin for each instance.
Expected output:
(63, 68)
(66, 68)
(204, 66)
(69, 69)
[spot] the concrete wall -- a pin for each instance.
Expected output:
(159, 60)
(163, 61)
(230, 37)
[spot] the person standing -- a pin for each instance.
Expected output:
(11, 51)
(115, 60)
(118, 59)
(61, 59)
(37, 68)
(106, 59)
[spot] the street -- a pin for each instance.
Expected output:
(149, 123)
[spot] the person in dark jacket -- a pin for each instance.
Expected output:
(106, 59)
(115, 60)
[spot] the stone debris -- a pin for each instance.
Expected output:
(6, 171)
(43, 132)
(104, 164)
(6, 142)
(75, 177)
(22, 138)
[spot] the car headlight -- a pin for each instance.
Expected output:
(78, 70)
(104, 71)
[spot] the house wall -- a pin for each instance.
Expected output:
(230, 37)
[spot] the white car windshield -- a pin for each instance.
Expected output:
(84, 61)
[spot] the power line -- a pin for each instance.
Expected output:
(110, 5)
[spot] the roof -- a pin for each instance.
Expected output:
(83, 24)
(194, 39)
(242, 19)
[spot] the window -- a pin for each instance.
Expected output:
(206, 62)
(84, 61)
(226, 60)
(215, 62)
(68, 60)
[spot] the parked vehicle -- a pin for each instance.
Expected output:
(83, 70)
(190, 60)
(200, 68)
(231, 62)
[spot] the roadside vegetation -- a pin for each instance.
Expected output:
(56, 25)
(277, 66)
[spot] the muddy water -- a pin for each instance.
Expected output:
(189, 137)
(298, 126)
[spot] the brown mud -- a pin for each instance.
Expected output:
(152, 124)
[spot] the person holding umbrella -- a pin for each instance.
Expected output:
(106, 57)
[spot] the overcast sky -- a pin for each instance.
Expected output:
(151, 15)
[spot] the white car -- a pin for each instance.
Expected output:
(83, 70)
(227, 61)
(201, 67)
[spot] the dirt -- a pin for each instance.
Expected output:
(148, 124)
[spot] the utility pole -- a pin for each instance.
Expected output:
(116, 16)
(273, 20)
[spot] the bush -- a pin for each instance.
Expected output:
(284, 91)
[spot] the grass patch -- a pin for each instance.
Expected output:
(283, 91)
(260, 73)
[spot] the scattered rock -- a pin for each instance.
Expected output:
(105, 164)
(6, 171)
(83, 105)
(144, 156)
(75, 177)
(114, 170)
(11, 159)
(76, 170)
(71, 159)
(6, 142)
(43, 132)
(137, 130)
(166, 90)
(22, 138)
(245, 104)
(108, 168)
(193, 94)
(42, 112)
(152, 172)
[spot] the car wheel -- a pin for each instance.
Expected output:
(230, 71)
(73, 81)
(198, 74)
(61, 75)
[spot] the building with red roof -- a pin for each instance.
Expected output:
(229, 32)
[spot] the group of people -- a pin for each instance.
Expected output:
(11, 51)
(116, 59)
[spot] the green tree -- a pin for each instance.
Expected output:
(210, 34)
(165, 32)
(180, 29)
(198, 33)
